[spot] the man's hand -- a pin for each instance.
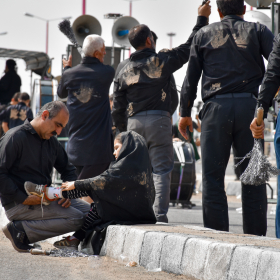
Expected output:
(67, 62)
(257, 131)
(183, 124)
(65, 202)
(205, 10)
(32, 200)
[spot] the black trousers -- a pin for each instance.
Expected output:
(90, 171)
(226, 122)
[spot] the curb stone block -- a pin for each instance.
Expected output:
(172, 252)
(133, 244)
(218, 261)
(115, 240)
(244, 263)
(151, 248)
(198, 228)
(194, 257)
(269, 268)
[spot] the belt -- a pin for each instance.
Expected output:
(153, 112)
(234, 95)
(10, 205)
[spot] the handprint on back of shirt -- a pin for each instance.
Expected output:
(154, 69)
(131, 76)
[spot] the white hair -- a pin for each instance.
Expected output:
(91, 44)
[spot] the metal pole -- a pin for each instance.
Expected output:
(130, 14)
(170, 42)
(84, 7)
(47, 37)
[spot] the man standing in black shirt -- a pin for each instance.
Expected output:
(90, 146)
(10, 83)
(15, 115)
(269, 88)
(142, 90)
(28, 153)
(230, 55)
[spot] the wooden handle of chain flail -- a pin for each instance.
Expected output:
(260, 113)
(39, 252)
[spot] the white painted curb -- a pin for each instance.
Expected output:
(194, 256)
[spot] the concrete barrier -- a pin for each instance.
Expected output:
(200, 255)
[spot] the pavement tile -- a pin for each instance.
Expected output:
(218, 261)
(244, 263)
(194, 257)
(152, 248)
(172, 251)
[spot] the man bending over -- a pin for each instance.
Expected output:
(28, 153)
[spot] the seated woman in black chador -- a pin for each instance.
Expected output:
(124, 194)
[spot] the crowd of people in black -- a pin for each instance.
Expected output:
(120, 149)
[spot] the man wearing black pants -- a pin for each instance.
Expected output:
(90, 146)
(230, 55)
(142, 92)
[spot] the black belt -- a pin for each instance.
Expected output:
(234, 95)
(153, 112)
(10, 205)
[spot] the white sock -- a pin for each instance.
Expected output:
(53, 193)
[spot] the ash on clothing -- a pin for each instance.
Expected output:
(125, 192)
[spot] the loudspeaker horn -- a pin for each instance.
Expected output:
(259, 3)
(256, 16)
(85, 25)
(121, 28)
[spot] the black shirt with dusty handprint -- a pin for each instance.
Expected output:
(230, 56)
(144, 83)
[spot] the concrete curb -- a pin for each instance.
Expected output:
(195, 256)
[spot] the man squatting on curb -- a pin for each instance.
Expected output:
(142, 89)
(29, 152)
(230, 54)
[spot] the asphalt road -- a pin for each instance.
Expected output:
(194, 216)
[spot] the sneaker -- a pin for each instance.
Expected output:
(17, 237)
(38, 190)
(66, 243)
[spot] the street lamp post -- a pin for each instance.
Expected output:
(171, 34)
(47, 26)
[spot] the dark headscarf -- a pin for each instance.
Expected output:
(11, 64)
(125, 192)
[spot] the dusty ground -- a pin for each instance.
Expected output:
(25, 266)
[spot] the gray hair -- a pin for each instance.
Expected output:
(91, 44)
(53, 108)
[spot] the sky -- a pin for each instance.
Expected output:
(26, 33)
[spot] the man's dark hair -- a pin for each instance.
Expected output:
(154, 36)
(138, 35)
(53, 108)
(111, 97)
(11, 64)
(16, 96)
(231, 7)
(24, 96)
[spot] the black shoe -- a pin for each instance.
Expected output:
(18, 238)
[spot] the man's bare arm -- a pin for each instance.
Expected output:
(5, 126)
